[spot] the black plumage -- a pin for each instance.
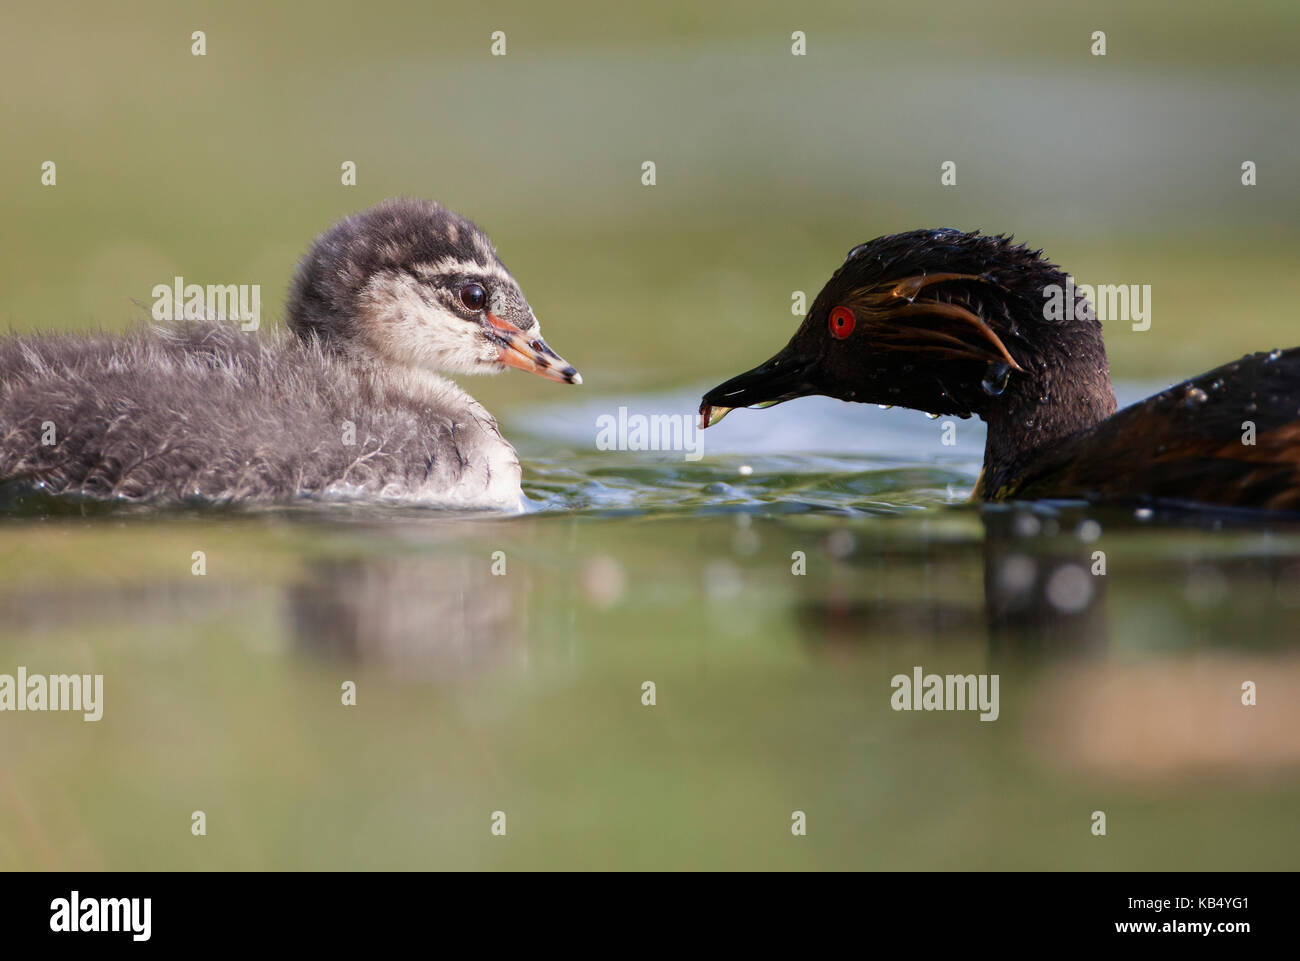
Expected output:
(957, 323)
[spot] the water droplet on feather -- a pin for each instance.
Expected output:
(995, 378)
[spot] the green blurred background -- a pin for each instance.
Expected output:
(521, 693)
(1125, 168)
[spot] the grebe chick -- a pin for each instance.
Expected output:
(347, 402)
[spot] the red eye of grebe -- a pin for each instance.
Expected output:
(842, 321)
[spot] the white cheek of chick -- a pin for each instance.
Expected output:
(407, 324)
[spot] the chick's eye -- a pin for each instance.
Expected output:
(473, 296)
(841, 322)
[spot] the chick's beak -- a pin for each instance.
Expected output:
(516, 349)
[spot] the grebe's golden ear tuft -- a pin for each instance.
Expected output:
(899, 318)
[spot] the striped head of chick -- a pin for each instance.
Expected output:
(409, 283)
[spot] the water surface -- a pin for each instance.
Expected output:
(522, 692)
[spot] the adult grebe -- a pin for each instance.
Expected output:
(958, 323)
(347, 403)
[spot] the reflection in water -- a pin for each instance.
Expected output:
(1044, 586)
(91, 609)
(1125, 654)
(431, 618)
(1040, 597)
(771, 682)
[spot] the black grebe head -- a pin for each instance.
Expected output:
(410, 283)
(946, 322)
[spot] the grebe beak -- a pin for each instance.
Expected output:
(517, 349)
(785, 377)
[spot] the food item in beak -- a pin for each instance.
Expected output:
(710, 415)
